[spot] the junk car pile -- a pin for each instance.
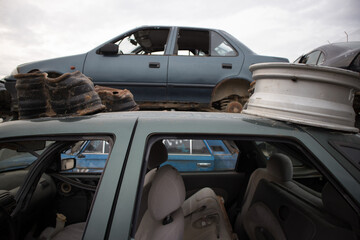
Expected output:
(290, 178)
(286, 168)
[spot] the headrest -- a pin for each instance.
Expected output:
(167, 193)
(280, 166)
(158, 155)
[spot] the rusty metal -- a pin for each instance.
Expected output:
(228, 91)
(32, 96)
(252, 88)
(73, 94)
(233, 104)
(230, 87)
(234, 107)
(116, 100)
(183, 106)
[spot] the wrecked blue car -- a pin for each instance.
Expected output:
(164, 67)
(186, 155)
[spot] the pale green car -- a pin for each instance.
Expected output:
(324, 165)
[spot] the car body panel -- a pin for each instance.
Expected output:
(57, 65)
(183, 87)
(183, 163)
(130, 72)
(209, 160)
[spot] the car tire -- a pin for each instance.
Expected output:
(234, 107)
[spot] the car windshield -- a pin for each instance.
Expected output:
(19, 155)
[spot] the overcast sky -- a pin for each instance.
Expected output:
(40, 29)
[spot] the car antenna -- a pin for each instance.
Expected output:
(347, 36)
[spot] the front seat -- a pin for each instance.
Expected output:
(203, 205)
(158, 155)
(164, 218)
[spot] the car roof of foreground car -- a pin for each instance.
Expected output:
(107, 122)
(162, 121)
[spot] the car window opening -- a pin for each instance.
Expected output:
(215, 183)
(306, 182)
(144, 42)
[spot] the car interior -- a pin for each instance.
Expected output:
(276, 190)
(153, 42)
(144, 42)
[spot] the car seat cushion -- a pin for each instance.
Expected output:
(167, 193)
(73, 232)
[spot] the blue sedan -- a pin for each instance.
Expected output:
(165, 67)
(184, 154)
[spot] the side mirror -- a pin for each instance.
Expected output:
(109, 49)
(68, 164)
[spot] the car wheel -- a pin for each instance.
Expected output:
(230, 95)
(234, 107)
(231, 105)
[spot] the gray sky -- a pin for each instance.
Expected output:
(41, 29)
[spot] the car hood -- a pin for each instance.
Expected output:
(58, 65)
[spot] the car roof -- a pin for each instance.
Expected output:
(334, 49)
(339, 54)
(108, 122)
(186, 27)
(120, 124)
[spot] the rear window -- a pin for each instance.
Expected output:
(313, 58)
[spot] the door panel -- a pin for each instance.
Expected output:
(136, 62)
(136, 73)
(202, 59)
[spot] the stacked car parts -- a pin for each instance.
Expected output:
(71, 94)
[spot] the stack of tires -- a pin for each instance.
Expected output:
(71, 94)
